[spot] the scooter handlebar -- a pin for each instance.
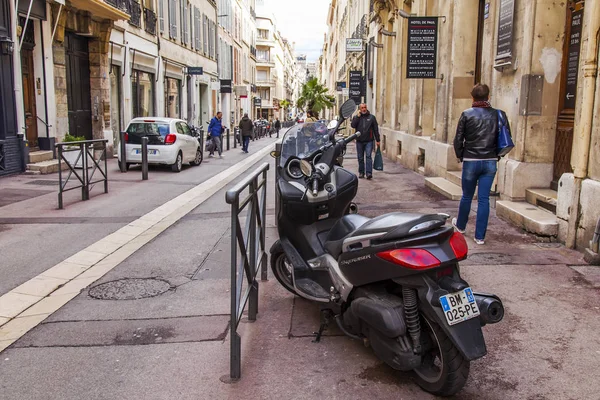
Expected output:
(315, 186)
(351, 138)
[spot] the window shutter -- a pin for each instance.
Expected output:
(205, 31)
(161, 15)
(173, 19)
(198, 24)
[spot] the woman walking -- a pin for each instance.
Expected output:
(475, 146)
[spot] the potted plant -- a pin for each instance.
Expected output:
(72, 153)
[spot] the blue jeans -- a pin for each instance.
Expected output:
(361, 149)
(246, 140)
(472, 173)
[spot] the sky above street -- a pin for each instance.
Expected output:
(303, 22)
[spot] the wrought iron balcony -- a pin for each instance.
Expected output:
(134, 9)
(150, 21)
(120, 4)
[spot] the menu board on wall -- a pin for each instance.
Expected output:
(422, 48)
(505, 29)
(356, 86)
(574, 49)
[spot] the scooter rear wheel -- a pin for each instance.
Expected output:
(444, 371)
(283, 269)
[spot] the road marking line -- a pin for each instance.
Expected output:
(20, 313)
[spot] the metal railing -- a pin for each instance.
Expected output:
(82, 161)
(250, 244)
(150, 21)
(2, 166)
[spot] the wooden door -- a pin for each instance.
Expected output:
(568, 91)
(79, 96)
(29, 96)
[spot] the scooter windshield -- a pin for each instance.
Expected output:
(301, 140)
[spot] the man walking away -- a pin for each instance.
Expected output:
(246, 127)
(475, 146)
(366, 124)
(277, 126)
(215, 128)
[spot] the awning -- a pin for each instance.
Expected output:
(101, 9)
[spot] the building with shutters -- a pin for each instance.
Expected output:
(540, 60)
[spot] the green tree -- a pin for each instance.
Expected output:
(315, 96)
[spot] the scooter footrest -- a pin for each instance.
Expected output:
(311, 288)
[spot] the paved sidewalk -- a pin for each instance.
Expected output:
(175, 345)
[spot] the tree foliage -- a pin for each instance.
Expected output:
(315, 96)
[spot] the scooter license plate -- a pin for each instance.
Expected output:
(459, 307)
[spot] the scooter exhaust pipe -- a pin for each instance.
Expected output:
(490, 307)
(353, 208)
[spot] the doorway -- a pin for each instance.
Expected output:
(28, 75)
(79, 97)
(568, 92)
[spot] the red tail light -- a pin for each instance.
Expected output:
(126, 137)
(411, 258)
(459, 245)
(171, 138)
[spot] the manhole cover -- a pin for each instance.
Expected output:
(548, 245)
(43, 183)
(129, 289)
(490, 258)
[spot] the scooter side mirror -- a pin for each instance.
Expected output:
(306, 168)
(348, 108)
(275, 154)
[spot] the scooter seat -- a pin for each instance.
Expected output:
(342, 229)
(399, 225)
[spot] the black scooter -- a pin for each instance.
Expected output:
(392, 282)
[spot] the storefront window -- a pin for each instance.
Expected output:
(142, 94)
(173, 98)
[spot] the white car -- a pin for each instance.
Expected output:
(170, 142)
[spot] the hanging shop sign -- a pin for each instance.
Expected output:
(354, 45)
(340, 86)
(225, 85)
(257, 102)
(241, 92)
(356, 86)
(195, 70)
(505, 29)
(422, 48)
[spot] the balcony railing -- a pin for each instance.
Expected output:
(120, 4)
(265, 61)
(265, 82)
(135, 10)
(150, 21)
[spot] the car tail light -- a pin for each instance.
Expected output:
(126, 137)
(411, 258)
(171, 138)
(459, 245)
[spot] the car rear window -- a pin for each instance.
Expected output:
(148, 129)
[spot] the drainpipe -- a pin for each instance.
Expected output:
(583, 128)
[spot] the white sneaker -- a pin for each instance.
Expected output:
(480, 242)
(456, 227)
(220, 156)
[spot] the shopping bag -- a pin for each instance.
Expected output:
(378, 162)
(505, 142)
(210, 145)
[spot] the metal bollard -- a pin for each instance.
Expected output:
(228, 138)
(145, 158)
(123, 146)
(235, 137)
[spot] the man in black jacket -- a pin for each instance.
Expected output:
(475, 146)
(366, 124)
(246, 127)
(277, 126)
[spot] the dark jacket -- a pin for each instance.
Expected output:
(477, 133)
(366, 124)
(277, 124)
(246, 126)
(215, 127)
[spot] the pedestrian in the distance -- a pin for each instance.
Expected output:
(215, 129)
(311, 116)
(475, 146)
(277, 126)
(246, 127)
(366, 124)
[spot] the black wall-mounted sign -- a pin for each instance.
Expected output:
(257, 102)
(195, 70)
(505, 29)
(356, 86)
(226, 86)
(573, 60)
(422, 48)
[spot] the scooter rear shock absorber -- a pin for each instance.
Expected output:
(413, 323)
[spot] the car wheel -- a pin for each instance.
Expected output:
(199, 157)
(178, 163)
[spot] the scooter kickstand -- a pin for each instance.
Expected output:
(325, 319)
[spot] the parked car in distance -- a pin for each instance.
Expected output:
(170, 142)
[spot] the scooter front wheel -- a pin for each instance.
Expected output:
(443, 371)
(283, 269)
